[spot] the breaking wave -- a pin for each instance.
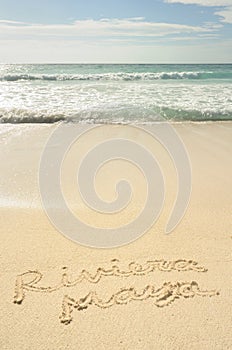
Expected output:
(115, 117)
(121, 76)
(22, 116)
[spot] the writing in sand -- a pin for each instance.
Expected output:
(162, 296)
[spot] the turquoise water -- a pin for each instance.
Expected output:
(114, 93)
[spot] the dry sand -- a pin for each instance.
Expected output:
(180, 296)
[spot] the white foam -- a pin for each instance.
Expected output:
(113, 101)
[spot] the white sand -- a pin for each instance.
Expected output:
(29, 242)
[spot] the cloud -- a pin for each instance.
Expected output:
(225, 14)
(202, 2)
(111, 40)
(29, 51)
(14, 23)
(104, 28)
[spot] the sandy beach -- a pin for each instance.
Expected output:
(159, 292)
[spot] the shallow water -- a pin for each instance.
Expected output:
(114, 93)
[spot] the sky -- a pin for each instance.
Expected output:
(116, 31)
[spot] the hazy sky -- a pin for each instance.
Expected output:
(133, 31)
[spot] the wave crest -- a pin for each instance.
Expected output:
(16, 116)
(20, 116)
(114, 76)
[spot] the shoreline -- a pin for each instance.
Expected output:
(65, 122)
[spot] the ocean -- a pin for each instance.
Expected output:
(115, 93)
